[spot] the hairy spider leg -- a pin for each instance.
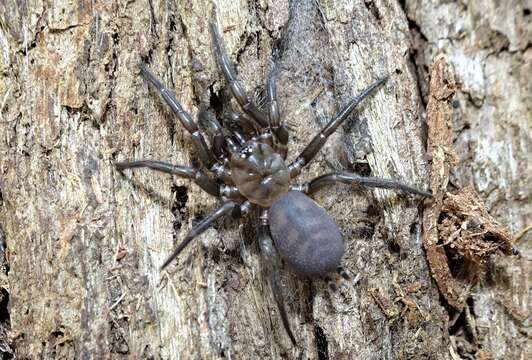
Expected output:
(236, 87)
(271, 259)
(351, 179)
(206, 156)
(199, 177)
(226, 208)
(320, 139)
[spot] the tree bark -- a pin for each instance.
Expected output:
(85, 242)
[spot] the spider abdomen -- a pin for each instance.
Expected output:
(305, 235)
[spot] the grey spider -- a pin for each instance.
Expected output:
(250, 174)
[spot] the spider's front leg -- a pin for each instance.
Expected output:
(220, 140)
(204, 154)
(243, 121)
(198, 176)
(271, 260)
(278, 129)
(236, 87)
(351, 179)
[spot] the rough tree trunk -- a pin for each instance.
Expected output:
(84, 243)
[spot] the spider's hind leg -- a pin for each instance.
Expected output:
(352, 179)
(271, 259)
(226, 209)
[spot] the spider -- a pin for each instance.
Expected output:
(249, 170)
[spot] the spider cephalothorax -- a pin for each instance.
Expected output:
(247, 160)
(259, 173)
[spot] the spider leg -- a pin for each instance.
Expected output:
(320, 139)
(271, 91)
(265, 138)
(207, 119)
(219, 140)
(278, 129)
(199, 177)
(236, 87)
(222, 145)
(269, 254)
(243, 121)
(350, 178)
(197, 138)
(206, 223)
(231, 192)
(239, 136)
(223, 172)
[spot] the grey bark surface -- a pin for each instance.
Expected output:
(488, 45)
(84, 242)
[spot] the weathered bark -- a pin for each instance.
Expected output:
(85, 243)
(488, 44)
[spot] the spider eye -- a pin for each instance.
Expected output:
(246, 151)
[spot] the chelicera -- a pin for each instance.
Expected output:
(247, 159)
